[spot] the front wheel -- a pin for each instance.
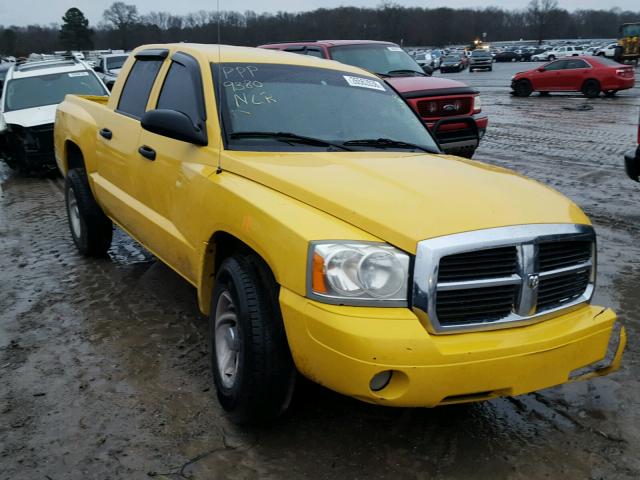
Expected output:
(591, 88)
(551, 58)
(91, 229)
(522, 88)
(250, 359)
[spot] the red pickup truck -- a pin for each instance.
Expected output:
(450, 109)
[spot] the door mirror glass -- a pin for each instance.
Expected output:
(173, 124)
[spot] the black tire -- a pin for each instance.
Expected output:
(591, 88)
(522, 88)
(264, 375)
(551, 57)
(90, 228)
(490, 69)
(470, 70)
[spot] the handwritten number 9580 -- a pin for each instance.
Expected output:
(245, 85)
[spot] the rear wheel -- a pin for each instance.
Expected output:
(522, 88)
(551, 58)
(591, 88)
(252, 366)
(91, 229)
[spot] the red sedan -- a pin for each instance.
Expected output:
(589, 75)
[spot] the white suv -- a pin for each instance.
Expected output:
(557, 52)
(607, 51)
(30, 94)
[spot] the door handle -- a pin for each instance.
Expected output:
(106, 133)
(147, 152)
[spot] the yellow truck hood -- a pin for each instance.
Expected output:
(404, 198)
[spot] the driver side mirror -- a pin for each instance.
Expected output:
(427, 69)
(173, 124)
(98, 69)
(541, 69)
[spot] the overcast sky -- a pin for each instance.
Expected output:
(24, 12)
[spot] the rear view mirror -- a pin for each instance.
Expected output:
(173, 124)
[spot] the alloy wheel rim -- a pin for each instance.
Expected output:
(227, 343)
(74, 213)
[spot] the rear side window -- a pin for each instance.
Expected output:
(178, 93)
(557, 65)
(135, 94)
(576, 64)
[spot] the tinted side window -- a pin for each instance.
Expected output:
(178, 92)
(135, 94)
(576, 64)
(314, 52)
(558, 65)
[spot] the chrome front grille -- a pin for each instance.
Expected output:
(502, 277)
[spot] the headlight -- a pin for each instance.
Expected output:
(355, 273)
(477, 103)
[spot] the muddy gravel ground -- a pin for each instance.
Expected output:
(104, 369)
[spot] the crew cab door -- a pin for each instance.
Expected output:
(550, 78)
(118, 140)
(168, 170)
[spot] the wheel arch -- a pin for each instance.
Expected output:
(73, 156)
(590, 79)
(221, 245)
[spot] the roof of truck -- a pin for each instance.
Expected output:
(326, 43)
(231, 54)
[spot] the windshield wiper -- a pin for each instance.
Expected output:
(413, 72)
(387, 143)
(288, 137)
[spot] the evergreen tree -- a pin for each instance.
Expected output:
(75, 33)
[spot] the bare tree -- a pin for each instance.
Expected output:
(539, 14)
(123, 17)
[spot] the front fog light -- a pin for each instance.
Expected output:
(380, 380)
(347, 273)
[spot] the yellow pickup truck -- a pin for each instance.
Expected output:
(327, 234)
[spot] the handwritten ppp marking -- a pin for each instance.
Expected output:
(239, 72)
(261, 98)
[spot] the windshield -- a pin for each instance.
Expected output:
(632, 30)
(116, 62)
(377, 58)
(480, 53)
(32, 92)
(327, 105)
(450, 58)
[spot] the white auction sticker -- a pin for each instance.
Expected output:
(364, 83)
(394, 49)
(79, 74)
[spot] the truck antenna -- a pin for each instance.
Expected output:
(218, 79)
